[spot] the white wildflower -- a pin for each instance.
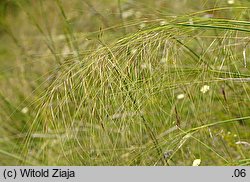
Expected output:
(204, 89)
(230, 1)
(196, 162)
(25, 110)
(180, 96)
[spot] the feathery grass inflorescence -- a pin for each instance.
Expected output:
(117, 104)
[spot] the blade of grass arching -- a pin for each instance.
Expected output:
(215, 22)
(219, 123)
(239, 76)
(216, 9)
(211, 27)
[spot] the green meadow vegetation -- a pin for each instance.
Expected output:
(125, 82)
